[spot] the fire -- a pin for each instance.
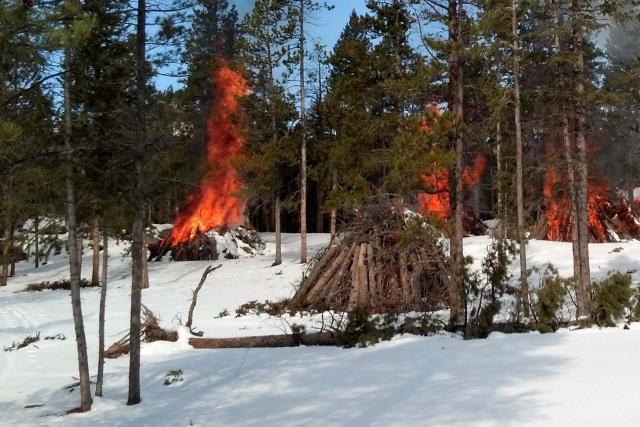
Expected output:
(215, 203)
(558, 210)
(473, 174)
(436, 203)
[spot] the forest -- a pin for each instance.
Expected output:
(393, 174)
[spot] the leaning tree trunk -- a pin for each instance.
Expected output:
(583, 279)
(457, 98)
(522, 240)
(303, 148)
(95, 242)
(137, 274)
(74, 256)
(101, 315)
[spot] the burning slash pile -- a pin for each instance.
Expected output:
(233, 243)
(387, 260)
(611, 217)
(215, 205)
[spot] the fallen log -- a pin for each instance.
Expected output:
(267, 341)
(150, 332)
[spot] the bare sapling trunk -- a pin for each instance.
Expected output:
(74, 256)
(583, 278)
(194, 300)
(137, 266)
(12, 255)
(101, 315)
(457, 93)
(334, 213)
(303, 148)
(36, 243)
(6, 249)
(502, 226)
(522, 240)
(95, 243)
(277, 214)
(145, 267)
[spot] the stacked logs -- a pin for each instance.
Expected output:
(387, 260)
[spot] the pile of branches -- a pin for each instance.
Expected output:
(150, 332)
(387, 260)
(610, 220)
(224, 243)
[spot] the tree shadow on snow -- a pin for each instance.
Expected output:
(409, 381)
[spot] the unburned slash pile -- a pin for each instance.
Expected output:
(388, 259)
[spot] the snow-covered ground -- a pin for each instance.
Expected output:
(571, 378)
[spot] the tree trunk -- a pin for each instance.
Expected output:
(583, 278)
(4, 271)
(457, 98)
(95, 242)
(36, 232)
(500, 211)
(12, 255)
(334, 213)
(74, 256)
(303, 148)
(137, 274)
(522, 240)
(145, 268)
(316, 338)
(277, 215)
(568, 155)
(101, 315)
(319, 210)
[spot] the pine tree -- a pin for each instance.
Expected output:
(267, 33)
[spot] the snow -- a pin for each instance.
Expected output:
(585, 378)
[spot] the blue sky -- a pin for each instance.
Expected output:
(325, 27)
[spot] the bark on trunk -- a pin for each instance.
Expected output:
(457, 91)
(334, 213)
(277, 215)
(12, 256)
(95, 242)
(522, 240)
(303, 148)
(502, 226)
(101, 315)
(137, 266)
(4, 271)
(583, 278)
(36, 231)
(74, 264)
(319, 338)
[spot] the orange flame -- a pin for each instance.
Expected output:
(214, 203)
(558, 213)
(554, 210)
(472, 175)
(436, 203)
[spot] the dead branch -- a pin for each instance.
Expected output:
(210, 269)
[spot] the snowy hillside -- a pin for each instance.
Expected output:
(581, 378)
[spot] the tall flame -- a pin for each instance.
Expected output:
(215, 202)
